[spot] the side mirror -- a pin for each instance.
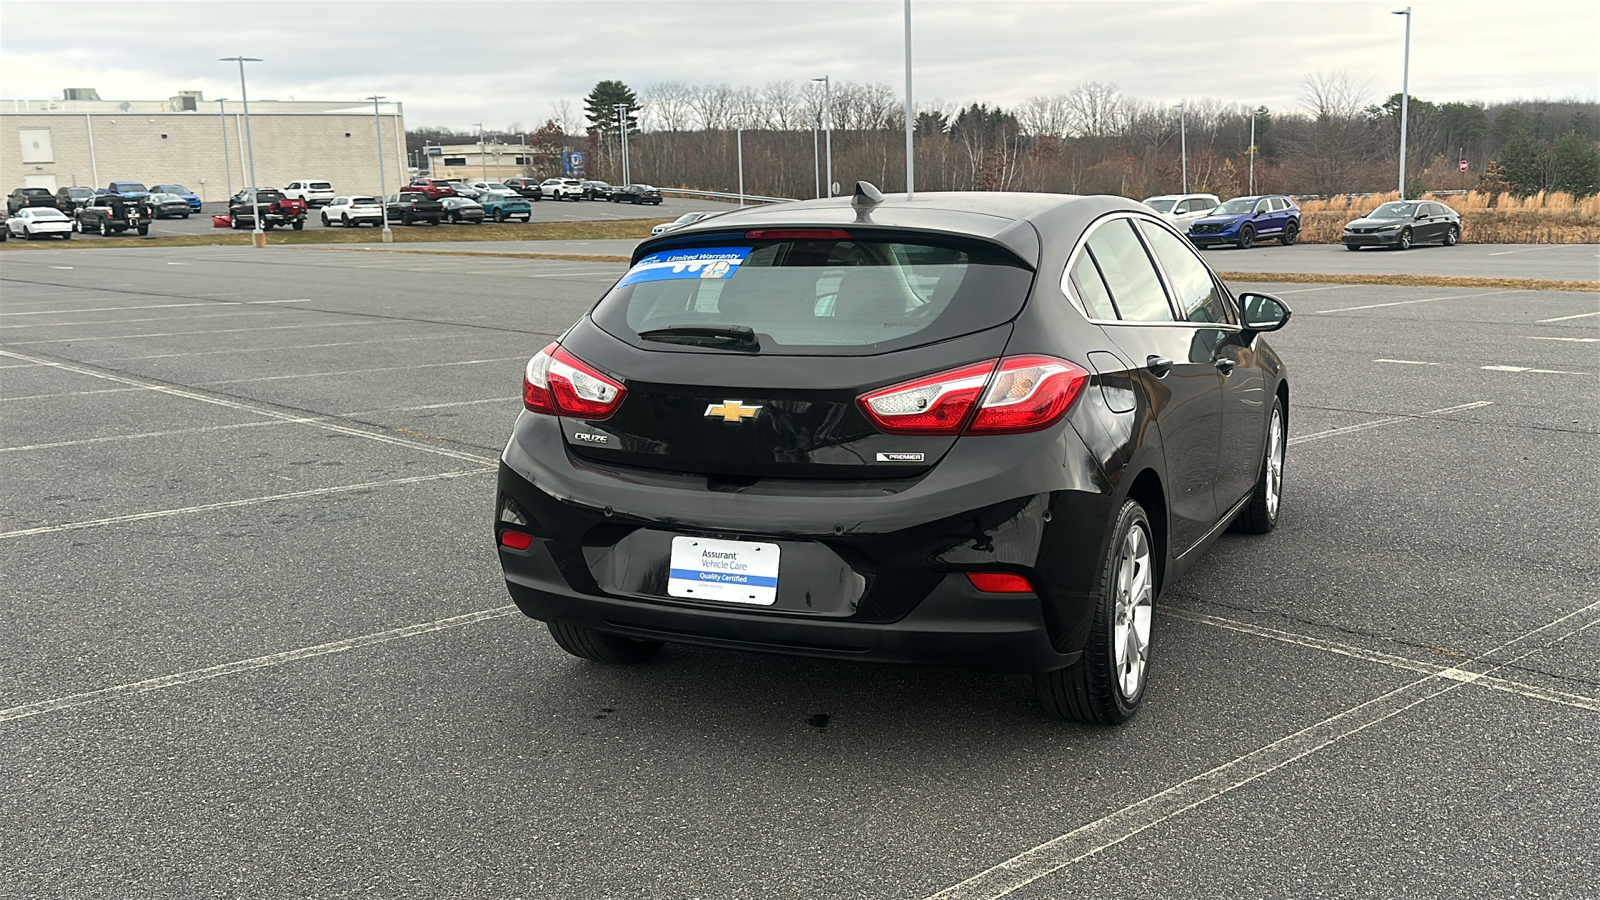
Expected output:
(1263, 312)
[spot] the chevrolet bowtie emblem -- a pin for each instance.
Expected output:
(731, 410)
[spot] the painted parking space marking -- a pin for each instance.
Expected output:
(1587, 315)
(1088, 840)
(257, 410)
(68, 312)
(1390, 420)
(247, 665)
(1569, 340)
(162, 334)
(200, 429)
(1408, 362)
(1324, 312)
(236, 504)
(1531, 371)
(406, 368)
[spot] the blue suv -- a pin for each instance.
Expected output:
(1242, 220)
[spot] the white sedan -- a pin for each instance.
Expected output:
(679, 222)
(352, 211)
(39, 221)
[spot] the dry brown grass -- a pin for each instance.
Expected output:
(1553, 218)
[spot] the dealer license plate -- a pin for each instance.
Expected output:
(726, 571)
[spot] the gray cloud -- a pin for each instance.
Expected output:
(497, 62)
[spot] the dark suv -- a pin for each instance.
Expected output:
(24, 197)
(1242, 220)
(109, 214)
(527, 187)
(413, 205)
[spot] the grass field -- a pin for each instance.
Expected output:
(537, 231)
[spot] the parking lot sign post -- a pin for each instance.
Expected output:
(377, 123)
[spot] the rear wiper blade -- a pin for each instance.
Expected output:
(742, 335)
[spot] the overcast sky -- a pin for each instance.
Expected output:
(456, 63)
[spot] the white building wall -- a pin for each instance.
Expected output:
(186, 148)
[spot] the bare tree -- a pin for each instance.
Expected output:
(1046, 115)
(669, 104)
(561, 112)
(1337, 142)
(781, 106)
(1095, 108)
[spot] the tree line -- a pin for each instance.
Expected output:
(1089, 139)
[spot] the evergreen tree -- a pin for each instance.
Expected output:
(1575, 165)
(1523, 160)
(600, 106)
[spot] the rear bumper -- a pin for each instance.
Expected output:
(870, 571)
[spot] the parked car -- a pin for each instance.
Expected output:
(1183, 210)
(527, 187)
(435, 188)
(412, 206)
(596, 190)
(314, 193)
(110, 214)
(779, 433)
(501, 207)
(463, 189)
(25, 197)
(562, 188)
(685, 219)
(1242, 220)
(39, 221)
(277, 210)
(168, 206)
(128, 190)
(353, 211)
(636, 194)
(71, 199)
(189, 197)
(5, 230)
(1402, 223)
(461, 209)
(489, 187)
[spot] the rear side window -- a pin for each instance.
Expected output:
(1199, 298)
(1129, 275)
(1090, 288)
(818, 296)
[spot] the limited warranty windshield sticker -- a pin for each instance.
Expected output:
(714, 262)
(899, 457)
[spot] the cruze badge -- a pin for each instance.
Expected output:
(731, 410)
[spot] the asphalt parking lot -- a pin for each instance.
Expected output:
(258, 645)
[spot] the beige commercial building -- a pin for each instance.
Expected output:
(92, 142)
(473, 162)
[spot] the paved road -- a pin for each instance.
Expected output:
(247, 501)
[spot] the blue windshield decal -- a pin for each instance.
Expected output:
(713, 262)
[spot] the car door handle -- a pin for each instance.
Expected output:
(1225, 365)
(1159, 365)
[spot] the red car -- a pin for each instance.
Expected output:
(435, 188)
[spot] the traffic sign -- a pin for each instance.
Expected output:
(1463, 165)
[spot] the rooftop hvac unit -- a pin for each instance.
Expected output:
(184, 102)
(80, 94)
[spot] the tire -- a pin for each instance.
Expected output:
(455, 218)
(105, 228)
(587, 643)
(185, 215)
(405, 219)
(1260, 515)
(300, 225)
(144, 229)
(1291, 232)
(327, 224)
(1351, 247)
(1101, 688)
(76, 226)
(1453, 236)
(268, 226)
(1247, 237)
(1405, 240)
(344, 219)
(499, 215)
(66, 236)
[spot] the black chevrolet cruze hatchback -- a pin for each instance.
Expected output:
(981, 430)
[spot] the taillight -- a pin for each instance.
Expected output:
(933, 404)
(1027, 394)
(557, 383)
(1000, 582)
(1022, 393)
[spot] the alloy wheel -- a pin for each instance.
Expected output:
(1274, 463)
(1135, 589)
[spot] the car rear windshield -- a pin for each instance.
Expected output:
(1160, 205)
(321, 186)
(35, 192)
(826, 296)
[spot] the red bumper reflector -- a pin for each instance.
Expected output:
(1000, 582)
(516, 540)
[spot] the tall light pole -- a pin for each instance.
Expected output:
(227, 169)
(1405, 97)
(740, 139)
(257, 236)
(383, 204)
(1252, 151)
(481, 161)
(622, 129)
(911, 164)
(1183, 141)
(827, 124)
(816, 161)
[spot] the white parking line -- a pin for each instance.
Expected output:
(385, 341)
(1509, 252)
(122, 390)
(463, 362)
(233, 504)
(1408, 362)
(160, 334)
(1323, 312)
(1111, 830)
(186, 317)
(1330, 287)
(202, 429)
(366, 412)
(1588, 315)
(246, 665)
(257, 410)
(1531, 371)
(1570, 340)
(66, 312)
(1391, 420)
